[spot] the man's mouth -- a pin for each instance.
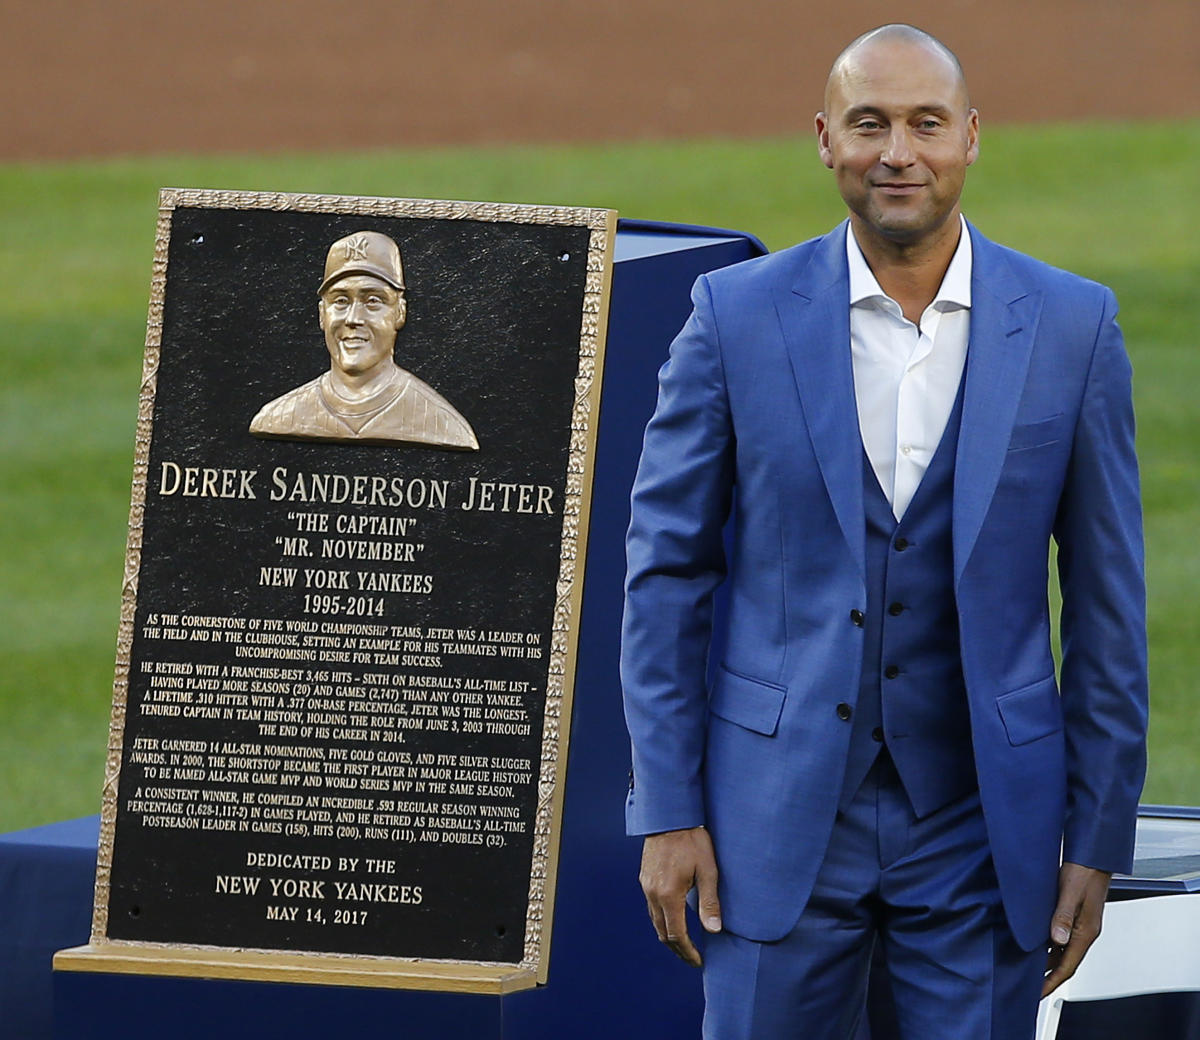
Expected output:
(898, 187)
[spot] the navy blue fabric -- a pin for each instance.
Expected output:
(754, 244)
(911, 624)
(46, 881)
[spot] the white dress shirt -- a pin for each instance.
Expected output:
(906, 376)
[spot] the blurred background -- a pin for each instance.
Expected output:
(697, 112)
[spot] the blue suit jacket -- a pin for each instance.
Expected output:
(756, 418)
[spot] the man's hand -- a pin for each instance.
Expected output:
(1076, 921)
(672, 862)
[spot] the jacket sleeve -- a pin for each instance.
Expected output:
(676, 559)
(1101, 571)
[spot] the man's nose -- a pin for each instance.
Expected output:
(354, 314)
(898, 151)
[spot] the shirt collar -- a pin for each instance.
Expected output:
(955, 289)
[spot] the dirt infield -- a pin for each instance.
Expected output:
(143, 77)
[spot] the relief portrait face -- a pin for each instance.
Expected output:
(360, 315)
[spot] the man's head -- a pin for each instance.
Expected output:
(899, 132)
(362, 301)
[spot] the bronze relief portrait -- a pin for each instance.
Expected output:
(364, 396)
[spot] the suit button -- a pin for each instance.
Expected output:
(891, 671)
(877, 734)
(901, 544)
(844, 711)
(896, 609)
(856, 616)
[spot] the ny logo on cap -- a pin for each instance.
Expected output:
(356, 248)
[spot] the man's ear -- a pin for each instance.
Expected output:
(321, 313)
(821, 122)
(972, 136)
(401, 312)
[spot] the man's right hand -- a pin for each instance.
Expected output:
(672, 863)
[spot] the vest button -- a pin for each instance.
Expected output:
(896, 609)
(901, 544)
(856, 617)
(844, 711)
(877, 734)
(891, 671)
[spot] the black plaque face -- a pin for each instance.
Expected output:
(342, 647)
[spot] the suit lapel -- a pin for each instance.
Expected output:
(1004, 318)
(814, 316)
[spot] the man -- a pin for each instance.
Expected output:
(365, 396)
(898, 417)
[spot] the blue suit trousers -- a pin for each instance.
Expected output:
(924, 888)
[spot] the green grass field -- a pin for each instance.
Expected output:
(1117, 203)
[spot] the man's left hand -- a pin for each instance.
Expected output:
(1076, 921)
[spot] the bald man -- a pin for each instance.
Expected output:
(898, 418)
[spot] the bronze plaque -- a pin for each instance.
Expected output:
(352, 586)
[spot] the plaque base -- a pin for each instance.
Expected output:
(260, 966)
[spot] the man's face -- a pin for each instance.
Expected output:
(360, 315)
(898, 133)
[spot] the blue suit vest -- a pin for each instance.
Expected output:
(912, 697)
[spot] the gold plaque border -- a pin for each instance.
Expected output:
(104, 954)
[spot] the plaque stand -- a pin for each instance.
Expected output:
(256, 966)
(608, 971)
